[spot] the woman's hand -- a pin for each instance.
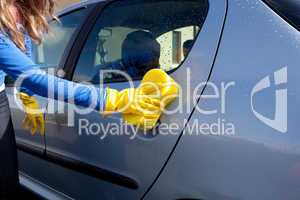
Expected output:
(34, 118)
(144, 105)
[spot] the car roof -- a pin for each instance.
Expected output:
(78, 5)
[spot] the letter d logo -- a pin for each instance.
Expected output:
(279, 122)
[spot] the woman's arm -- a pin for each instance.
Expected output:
(15, 63)
(28, 47)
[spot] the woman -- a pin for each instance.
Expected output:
(24, 20)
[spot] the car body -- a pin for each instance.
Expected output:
(236, 45)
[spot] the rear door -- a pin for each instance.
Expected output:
(48, 57)
(99, 156)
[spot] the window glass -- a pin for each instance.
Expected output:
(136, 36)
(49, 53)
(172, 44)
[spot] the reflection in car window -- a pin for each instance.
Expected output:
(172, 42)
(135, 36)
(49, 53)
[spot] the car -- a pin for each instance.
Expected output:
(234, 132)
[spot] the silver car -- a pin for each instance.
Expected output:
(234, 131)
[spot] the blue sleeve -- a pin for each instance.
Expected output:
(28, 47)
(16, 64)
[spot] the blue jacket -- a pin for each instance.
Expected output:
(16, 63)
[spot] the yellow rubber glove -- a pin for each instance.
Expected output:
(159, 85)
(34, 118)
(143, 106)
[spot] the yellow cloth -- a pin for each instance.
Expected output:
(144, 105)
(34, 118)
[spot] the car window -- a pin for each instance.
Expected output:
(175, 45)
(50, 51)
(136, 36)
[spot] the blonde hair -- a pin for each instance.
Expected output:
(34, 15)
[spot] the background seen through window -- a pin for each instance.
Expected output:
(177, 23)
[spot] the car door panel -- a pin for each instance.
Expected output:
(257, 161)
(139, 159)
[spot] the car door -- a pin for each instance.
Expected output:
(47, 56)
(259, 159)
(92, 155)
